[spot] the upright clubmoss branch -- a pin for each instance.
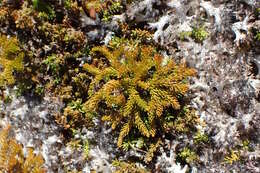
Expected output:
(11, 59)
(13, 159)
(135, 90)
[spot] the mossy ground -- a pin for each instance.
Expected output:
(128, 83)
(127, 76)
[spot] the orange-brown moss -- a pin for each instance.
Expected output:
(136, 92)
(13, 159)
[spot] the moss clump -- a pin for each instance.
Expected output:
(134, 91)
(232, 157)
(80, 144)
(126, 167)
(112, 9)
(183, 35)
(131, 37)
(199, 34)
(257, 37)
(53, 64)
(11, 59)
(45, 10)
(188, 155)
(24, 18)
(201, 138)
(97, 5)
(13, 159)
(257, 11)
(127, 84)
(74, 115)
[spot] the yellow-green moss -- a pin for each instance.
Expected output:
(121, 166)
(11, 59)
(138, 92)
(232, 157)
(199, 34)
(188, 155)
(201, 138)
(114, 8)
(257, 37)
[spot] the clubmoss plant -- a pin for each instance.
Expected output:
(133, 91)
(11, 59)
(45, 10)
(232, 157)
(257, 37)
(257, 10)
(7, 99)
(68, 4)
(39, 90)
(121, 166)
(246, 144)
(13, 159)
(131, 37)
(112, 9)
(201, 138)
(188, 155)
(3, 15)
(94, 4)
(73, 115)
(117, 42)
(22, 88)
(134, 144)
(199, 34)
(75, 171)
(24, 17)
(184, 34)
(75, 144)
(86, 148)
(53, 64)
